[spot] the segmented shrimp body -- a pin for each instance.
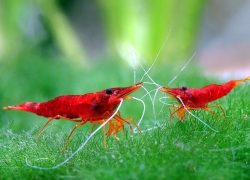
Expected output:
(93, 107)
(198, 98)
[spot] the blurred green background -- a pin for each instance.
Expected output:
(67, 27)
(50, 48)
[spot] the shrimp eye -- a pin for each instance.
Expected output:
(109, 91)
(184, 88)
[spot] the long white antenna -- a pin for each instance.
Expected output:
(172, 81)
(144, 108)
(196, 116)
(182, 68)
(146, 73)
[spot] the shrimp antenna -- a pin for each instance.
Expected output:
(143, 112)
(147, 92)
(182, 68)
(173, 80)
(154, 102)
(196, 116)
(80, 148)
(158, 86)
(146, 73)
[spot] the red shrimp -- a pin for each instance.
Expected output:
(197, 98)
(94, 107)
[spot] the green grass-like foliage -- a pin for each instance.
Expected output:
(181, 150)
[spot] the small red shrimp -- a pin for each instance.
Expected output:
(197, 98)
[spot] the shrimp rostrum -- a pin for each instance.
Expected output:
(198, 98)
(93, 107)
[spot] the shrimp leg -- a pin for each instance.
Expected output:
(120, 119)
(55, 117)
(71, 132)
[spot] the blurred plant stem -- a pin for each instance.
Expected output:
(21, 28)
(146, 25)
(62, 31)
